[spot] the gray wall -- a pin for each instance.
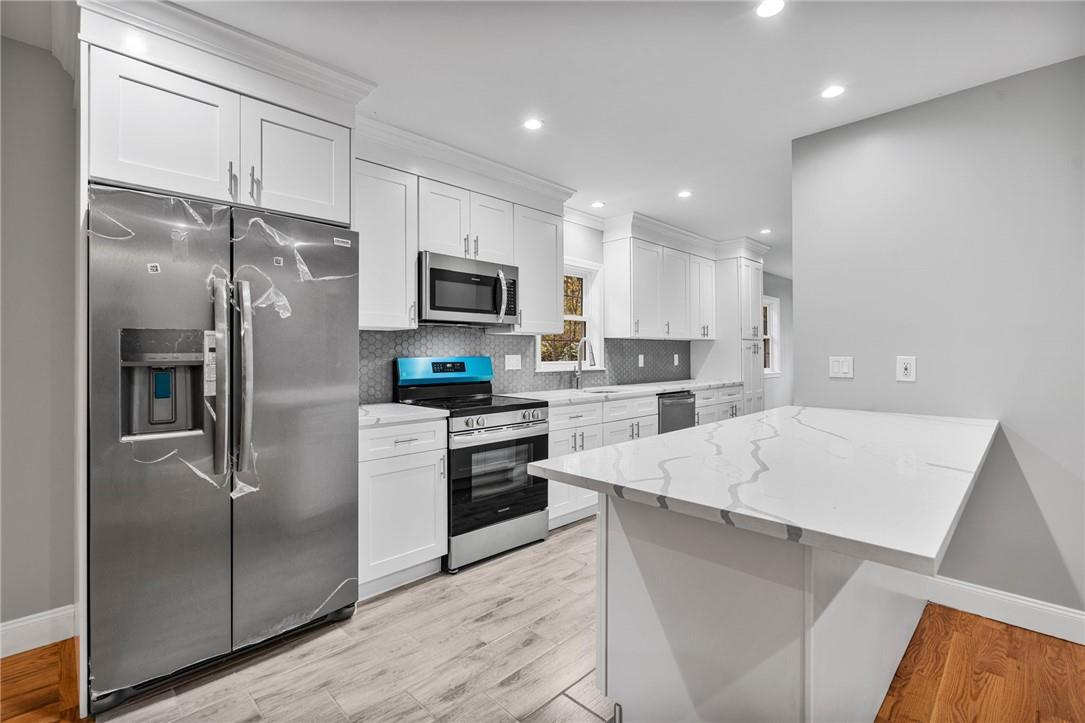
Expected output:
(953, 230)
(778, 390)
(37, 304)
(377, 349)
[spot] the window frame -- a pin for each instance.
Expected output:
(591, 273)
(772, 334)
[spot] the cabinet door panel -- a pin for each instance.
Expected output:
(402, 513)
(153, 128)
(492, 230)
(294, 163)
(703, 298)
(620, 431)
(647, 426)
(386, 219)
(753, 380)
(646, 269)
(444, 218)
(750, 280)
(540, 253)
(675, 294)
(590, 438)
(560, 495)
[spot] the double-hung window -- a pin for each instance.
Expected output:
(582, 317)
(770, 342)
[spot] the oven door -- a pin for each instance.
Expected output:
(466, 291)
(488, 479)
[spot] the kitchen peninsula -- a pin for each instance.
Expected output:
(770, 567)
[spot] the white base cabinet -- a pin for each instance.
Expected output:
(566, 502)
(624, 430)
(402, 513)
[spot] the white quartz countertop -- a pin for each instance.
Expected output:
(395, 413)
(878, 486)
(561, 397)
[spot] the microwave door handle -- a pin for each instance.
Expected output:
(222, 375)
(244, 452)
(504, 296)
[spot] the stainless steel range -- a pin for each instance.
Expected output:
(494, 504)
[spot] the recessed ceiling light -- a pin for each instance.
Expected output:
(597, 204)
(832, 91)
(766, 230)
(533, 124)
(685, 194)
(768, 8)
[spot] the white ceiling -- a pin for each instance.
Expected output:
(642, 99)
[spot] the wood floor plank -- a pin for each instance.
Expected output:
(475, 709)
(236, 707)
(562, 710)
(532, 686)
(398, 708)
(588, 695)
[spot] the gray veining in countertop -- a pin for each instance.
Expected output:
(879, 486)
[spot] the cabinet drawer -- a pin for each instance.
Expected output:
(630, 408)
(379, 442)
(575, 416)
(707, 396)
(623, 430)
(728, 394)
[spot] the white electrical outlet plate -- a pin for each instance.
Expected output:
(676, 360)
(512, 361)
(905, 368)
(640, 360)
(841, 367)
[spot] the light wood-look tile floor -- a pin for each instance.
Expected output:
(509, 639)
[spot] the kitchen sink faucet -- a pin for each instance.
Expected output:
(583, 347)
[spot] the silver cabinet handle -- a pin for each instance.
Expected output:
(467, 244)
(252, 184)
(476, 247)
(696, 417)
(636, 326)
(573, 437)
(631, 434)
(244, 452)
(230, 179)
(638, 430)
(441, 464)
(581, 441)
(519, 317)
(575, 416)
(668, 327)
(406, 440)
(222, 376)
(410, 312)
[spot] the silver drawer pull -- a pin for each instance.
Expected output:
(575, 416)
(406, 441)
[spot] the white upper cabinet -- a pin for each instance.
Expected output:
(675, 294)
(540, 256)
(386, 219)
(492, 229)
(444, 218)
(153, 128)
(294, 163)
(702, 298)
(157, 129)
(646, 292)
(459, 222)
(750, 281)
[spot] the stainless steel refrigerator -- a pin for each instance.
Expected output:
(222, 486)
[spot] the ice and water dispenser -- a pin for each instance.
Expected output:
(162, 380)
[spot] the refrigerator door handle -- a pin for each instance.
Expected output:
(244, 452)
(222, 375)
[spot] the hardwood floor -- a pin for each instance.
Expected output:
(514, 639)
(960, 667)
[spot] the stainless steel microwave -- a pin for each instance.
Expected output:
(455, 290)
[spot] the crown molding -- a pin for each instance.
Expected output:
(637, 225)
(742, 247)
(210, 36)
(379, 142)
(583, 218)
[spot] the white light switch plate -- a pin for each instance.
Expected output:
(676, 360)
(512, 361)
(905, 368)
(841, 367)
(640, 360)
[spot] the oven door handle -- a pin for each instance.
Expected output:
(504, 296)
(462, 440)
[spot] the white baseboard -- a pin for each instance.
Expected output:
(570, 517)
(1041, 617)
(372, 588)
(34, 631)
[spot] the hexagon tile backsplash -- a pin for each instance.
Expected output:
(377, 349)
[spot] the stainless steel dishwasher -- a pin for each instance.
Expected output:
(676, 411)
